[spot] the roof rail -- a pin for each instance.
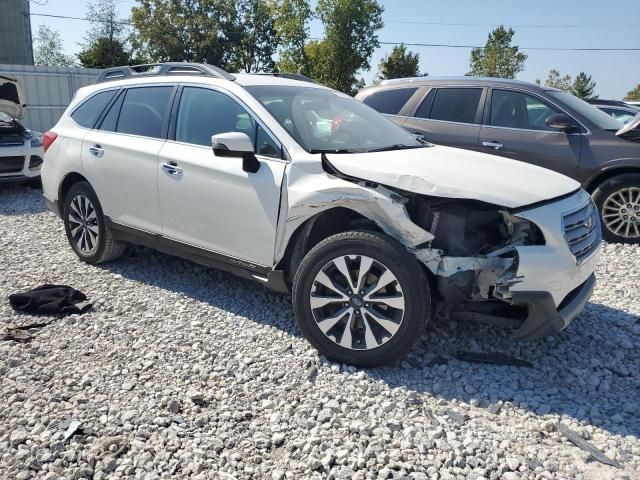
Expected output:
(158, 69)
(290, 76)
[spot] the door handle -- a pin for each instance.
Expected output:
(172, 168)
(96, 151)
(494, 145)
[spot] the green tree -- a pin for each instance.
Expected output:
(555, 80)
(633, 95)
(291, 22)
(254, 40)
(351, 28)
(185, 30)
(498, 58)
(48, 50)
(583, 87)
(399, 64)
(105, 44)
(104, 53)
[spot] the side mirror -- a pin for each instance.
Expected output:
(562, 122)
(236, 144)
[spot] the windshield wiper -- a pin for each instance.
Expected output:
(397, 146)
(339, 150)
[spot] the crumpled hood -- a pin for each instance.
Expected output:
(11, 99)
(455, 173)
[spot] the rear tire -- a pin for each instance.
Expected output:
(377, 291)
(618, 202)
(87, 232)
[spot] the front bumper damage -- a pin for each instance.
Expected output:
(544, 318)
(547, 284)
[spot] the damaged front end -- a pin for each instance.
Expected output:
(473, 257)
(491, 264)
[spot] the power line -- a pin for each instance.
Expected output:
(417, 22)
(409, 44)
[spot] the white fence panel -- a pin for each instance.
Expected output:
(48, 90)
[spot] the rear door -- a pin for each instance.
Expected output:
(514, 127)
(120, 156)
(449, 116)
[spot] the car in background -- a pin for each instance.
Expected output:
(21, 150)
(530, 123)
(621, 111)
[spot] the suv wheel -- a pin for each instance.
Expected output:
(84, 224)
(618, 201)
(361, 298)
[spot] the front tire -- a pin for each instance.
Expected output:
(360, 298)
(87, 232)
(618, 202)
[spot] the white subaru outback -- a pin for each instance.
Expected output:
(308, 191)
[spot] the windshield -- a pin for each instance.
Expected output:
(327, 121)
(591, 113)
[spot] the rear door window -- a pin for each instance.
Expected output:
(456, 104)
(88, 112)
(144, 111)
(389, 101)
(519, 110)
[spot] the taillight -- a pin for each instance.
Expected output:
(48, 139)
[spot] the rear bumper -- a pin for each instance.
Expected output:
(544, 318)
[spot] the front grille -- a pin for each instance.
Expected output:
(11, 164)
(582, 231)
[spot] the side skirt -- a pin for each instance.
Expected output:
(272, 279)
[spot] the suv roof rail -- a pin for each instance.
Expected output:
(158, 69)
(290, 76)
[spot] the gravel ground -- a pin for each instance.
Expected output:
(185, 372)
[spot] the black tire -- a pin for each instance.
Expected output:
(106, 248)
(409, 274)
(603, 192)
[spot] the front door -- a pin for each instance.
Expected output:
(211, 202)
(514, 127)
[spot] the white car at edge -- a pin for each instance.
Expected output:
(306, 190)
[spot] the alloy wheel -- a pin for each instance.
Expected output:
(357, 302)
(621, 212)
(83, 224)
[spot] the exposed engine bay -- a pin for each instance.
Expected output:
(475, 244)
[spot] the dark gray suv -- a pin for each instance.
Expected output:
(539, 125)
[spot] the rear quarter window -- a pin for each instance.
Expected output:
(389, 101)
(89, 111)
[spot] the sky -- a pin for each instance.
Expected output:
(540, 24)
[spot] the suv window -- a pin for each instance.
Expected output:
(110, 120)
(144, 110)
(519, 110)
(204, 112)
(87, 113)
(389, 101)
(456, 104)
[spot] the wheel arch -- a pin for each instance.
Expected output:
(317, 228)
(608, 174)
(68, 180)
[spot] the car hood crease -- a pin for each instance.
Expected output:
(455, 173)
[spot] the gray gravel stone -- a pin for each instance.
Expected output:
(181, 371)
